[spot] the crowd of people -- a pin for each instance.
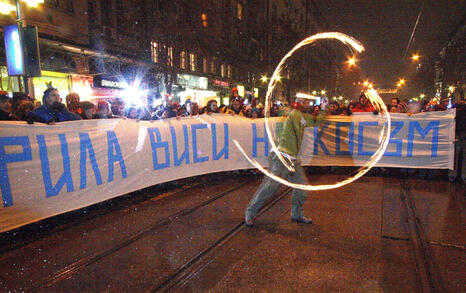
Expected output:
(52, 110)
(23, 108)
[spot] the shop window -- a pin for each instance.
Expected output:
(212, 67)
(192, 62)
(204, 65)
(240, 11)
(154, 50)
(170, 56)
(222, 70)
(183, 60)
(229, 71)
(204, 19)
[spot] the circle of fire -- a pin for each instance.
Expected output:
(371, 94)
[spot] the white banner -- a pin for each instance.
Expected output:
(47, 170)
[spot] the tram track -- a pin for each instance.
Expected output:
(25, 235)
(196, 264)
(427, 272)
(71, 269)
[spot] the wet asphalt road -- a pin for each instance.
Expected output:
(379, 234)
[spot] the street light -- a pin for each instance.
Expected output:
(323, 92)
(415, 57)
(7, 8)
(401, 82)
(352, 61)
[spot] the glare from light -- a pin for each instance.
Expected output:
(451, 89)
(323, 92)
(314, 92)
(352, 61)
(366, 83)
(274, 79)
(278, 78)
(372, 95)
(264, 78)
(383, 140)
(415, 57)
(6, 8)
(422, 96)
(305, 96)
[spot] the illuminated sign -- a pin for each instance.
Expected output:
(387, 91)
(58, 80)
(107, 82)
(221, 83)
(192, 81)
(240, 90)
(256, 92)
(13, 49)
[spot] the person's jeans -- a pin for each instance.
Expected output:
(269, 187)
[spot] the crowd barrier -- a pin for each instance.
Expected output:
(47, 170)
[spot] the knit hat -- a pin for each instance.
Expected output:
(47, 92)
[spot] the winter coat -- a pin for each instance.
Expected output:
(45, 114)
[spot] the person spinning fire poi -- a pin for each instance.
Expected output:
(289, 146)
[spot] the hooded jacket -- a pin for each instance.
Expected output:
(45, 114)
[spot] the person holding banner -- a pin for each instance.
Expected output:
(52, 110)
(289, 146)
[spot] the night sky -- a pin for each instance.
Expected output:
(384, 27)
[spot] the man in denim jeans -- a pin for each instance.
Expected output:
(289, 145)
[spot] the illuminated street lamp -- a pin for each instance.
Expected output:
(7, 8)
(314, 93)
(451, 89)
(264, 78)
(278, 78)
(323, 92)
(415, 57)
(366, 83)
(352, 61)
(401, 82)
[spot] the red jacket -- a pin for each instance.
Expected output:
(363, 108)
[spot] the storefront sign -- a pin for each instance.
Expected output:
(13, 49)
(193, 81)
(256, 92)
(220, 83)
(108, 82)
(60, 81)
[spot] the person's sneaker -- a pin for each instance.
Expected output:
(248, 221)
(303, 220)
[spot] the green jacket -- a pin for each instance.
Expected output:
(291, 136)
